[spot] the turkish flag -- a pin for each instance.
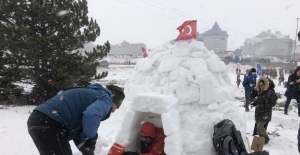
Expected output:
(144, 52)
(187, 30)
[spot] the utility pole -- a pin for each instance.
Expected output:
(296, 38)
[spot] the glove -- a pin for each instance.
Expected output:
(130, 153)
(89, 147)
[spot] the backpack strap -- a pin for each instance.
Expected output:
(225, 146)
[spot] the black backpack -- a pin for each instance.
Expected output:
(227, 140)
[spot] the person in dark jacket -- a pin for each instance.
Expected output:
(249, 83)
(266, 99)
(254, 94)
(293, 90)
(238, 80)
(152, 141)
(75, 115)
(299, 36)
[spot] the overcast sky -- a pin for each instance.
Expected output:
(155, 21)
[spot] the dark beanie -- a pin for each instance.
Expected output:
(253, 70)
(117, 94)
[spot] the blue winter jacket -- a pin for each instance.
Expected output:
(79, 110)
(249, 82)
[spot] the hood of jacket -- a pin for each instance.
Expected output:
(296, 70)
(266, 87)
(148, 130)
(99, 88)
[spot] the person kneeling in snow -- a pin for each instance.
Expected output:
(75, 115)
(266, 99)
(152, 141)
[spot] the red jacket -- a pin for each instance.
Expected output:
(157, 145)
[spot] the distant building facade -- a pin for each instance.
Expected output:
(128, 49)
(214, 39)
(268, 44)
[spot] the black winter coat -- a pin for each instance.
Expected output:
(264, 102)
(293, 88)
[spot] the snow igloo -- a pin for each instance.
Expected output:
(183, 88)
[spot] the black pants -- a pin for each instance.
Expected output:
(48, 135)
(249, 99)
(255, 128)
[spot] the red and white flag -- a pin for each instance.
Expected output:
(144, 52)
(187, 30)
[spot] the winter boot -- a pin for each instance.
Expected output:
(267, 139)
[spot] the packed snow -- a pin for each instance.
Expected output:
(183, 88)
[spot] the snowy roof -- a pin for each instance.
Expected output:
(215, 30)
(267, 35)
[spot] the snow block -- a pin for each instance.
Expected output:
(159, 56)
(132, 89)
(220, 94)
(171, 122)
(198, 54)
(131, 120)
(181, 49)
(168, 64)
(213, 106)
(167, 45)
(145, 65)
(206, 80)
(157, 50)
(205, 95)
(126, 139)
(194, 46)
(173, 145)
(153, 102)
(187, 93)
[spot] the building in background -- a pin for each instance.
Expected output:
(269, 44)
(214, 39)
(125, 49)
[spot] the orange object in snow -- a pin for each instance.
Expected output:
(116, 149)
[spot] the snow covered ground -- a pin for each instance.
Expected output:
(15, 139)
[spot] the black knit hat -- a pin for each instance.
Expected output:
(117, 94)
(253, 70)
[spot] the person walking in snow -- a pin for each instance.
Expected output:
(152, 141)
(75, 115)
(293, 90)
(249, 83)
(264, 102)
(238, 80)
(280, 79)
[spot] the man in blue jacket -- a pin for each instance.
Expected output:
(75, 115)
(249, 84)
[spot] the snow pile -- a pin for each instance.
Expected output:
(183, 88)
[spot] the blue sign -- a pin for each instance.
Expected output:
(259, 70)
